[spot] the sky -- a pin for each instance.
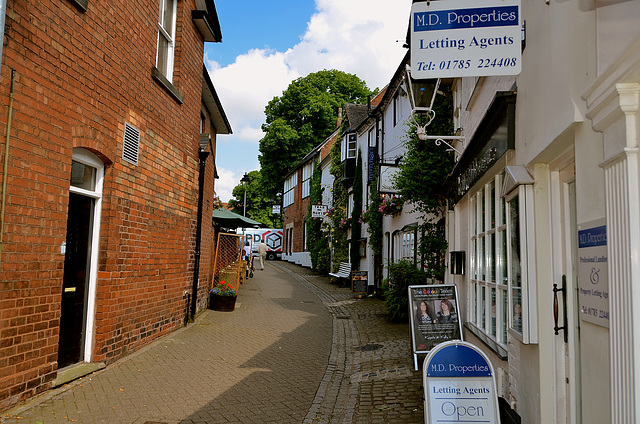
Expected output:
(268, 44)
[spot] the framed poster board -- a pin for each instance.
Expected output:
(434, 317)
(359, 281)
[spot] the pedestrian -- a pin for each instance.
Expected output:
(262, 252)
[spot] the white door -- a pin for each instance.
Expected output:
(565, 297)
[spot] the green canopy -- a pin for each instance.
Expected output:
(227, 219)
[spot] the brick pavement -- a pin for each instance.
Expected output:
(296, 350)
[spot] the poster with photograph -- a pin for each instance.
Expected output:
(434, 316)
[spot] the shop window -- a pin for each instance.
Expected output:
(488, 261)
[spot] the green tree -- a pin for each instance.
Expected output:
(259, 205)
(302, 117)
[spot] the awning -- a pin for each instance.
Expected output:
(227, 219)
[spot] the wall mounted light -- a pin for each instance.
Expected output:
(422, 95)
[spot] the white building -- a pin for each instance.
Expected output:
(548, 194)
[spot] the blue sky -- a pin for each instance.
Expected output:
(268, 44)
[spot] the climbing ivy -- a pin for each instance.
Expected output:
(420, 180)
(338, 212)
(356, 213)
(317, 240)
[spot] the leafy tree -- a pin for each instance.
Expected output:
(259, 205)
(302, 117)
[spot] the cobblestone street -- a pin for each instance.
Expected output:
(297, 349)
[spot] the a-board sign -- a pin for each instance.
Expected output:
(433, 312)
(459, 385)
(359, 281)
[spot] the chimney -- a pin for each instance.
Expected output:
(339, 120)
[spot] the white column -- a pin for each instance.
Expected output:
(622, 197)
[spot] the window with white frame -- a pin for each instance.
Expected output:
(166, 38)
(349, 146)
(289, 186)
(489, 270)
(502, 245)
(307, 171)
(396, 109)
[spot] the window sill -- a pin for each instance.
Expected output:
(83, 5)
(160, 79)
(490, 343)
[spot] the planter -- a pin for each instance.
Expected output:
(222, 303)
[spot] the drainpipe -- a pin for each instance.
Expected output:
(6, 164)
(203, 155)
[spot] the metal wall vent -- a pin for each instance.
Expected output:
(130, 144)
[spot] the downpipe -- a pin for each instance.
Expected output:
(6, 164)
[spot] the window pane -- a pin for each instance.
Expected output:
(163, 54)
(515, 282)
(483, 307)
(481, 260)
(516, 296)
(502, 257)
(166, 15)
(474, 268)
(492, 203)
(492, 265)
(83, 176)
(492, 330)
(474, 304)
(482, 211)
(503, 315)
(472, 210)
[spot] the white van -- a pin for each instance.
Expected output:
(272, 237)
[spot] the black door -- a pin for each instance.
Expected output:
(75, 282)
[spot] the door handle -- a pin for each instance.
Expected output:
(564, 308)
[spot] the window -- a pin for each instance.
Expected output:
(289, 186)
(489, 277)
(349, 147)
(307, 171)
(396, 109)
(166, 38)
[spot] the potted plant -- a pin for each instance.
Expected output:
(222, 297)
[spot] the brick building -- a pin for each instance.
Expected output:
(296, 198)
(102, 108)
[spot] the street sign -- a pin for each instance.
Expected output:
(465, 38)
(275, 209)
(318, 211)
(459, 385)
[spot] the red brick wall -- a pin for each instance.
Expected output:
(296, 214)
(79, 76)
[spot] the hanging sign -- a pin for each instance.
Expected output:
(275, 209)
(593, 276)
(433, 312)
(459, 385)
(464, 38)
(318, 211)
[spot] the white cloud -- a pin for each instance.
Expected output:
(361, 37)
